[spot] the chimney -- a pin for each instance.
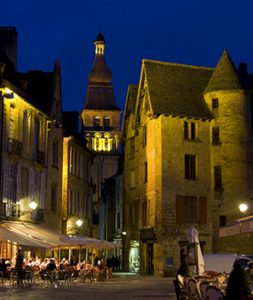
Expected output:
(8, 47)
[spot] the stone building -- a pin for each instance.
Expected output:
(31, 139)
(101, 127)
(187, 134)
(76, 186)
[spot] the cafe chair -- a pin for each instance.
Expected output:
(192, 289)
(214, 293)
(202, 289)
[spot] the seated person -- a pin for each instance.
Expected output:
(184, 267)
(249, 272)
(3, 267)
(51, 266)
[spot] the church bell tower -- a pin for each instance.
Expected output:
(101, 126)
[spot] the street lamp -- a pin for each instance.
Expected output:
(33, 205)
(124, 235)
(243, 207)
(79, 223)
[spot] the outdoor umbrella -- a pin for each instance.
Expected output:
(193, 237)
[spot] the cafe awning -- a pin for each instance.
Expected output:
(40, 236)
(243, 225)
(21, 237)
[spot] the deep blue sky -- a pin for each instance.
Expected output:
(189, 32)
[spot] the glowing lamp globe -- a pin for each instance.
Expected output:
(33, 205)
(79, 223)
(243, 207)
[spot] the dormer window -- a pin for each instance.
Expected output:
(96, 122)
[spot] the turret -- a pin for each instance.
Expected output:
(230, 136)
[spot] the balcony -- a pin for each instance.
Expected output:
(15, 147)
(12, 211)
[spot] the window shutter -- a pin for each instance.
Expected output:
(202, 210)
(180, 209)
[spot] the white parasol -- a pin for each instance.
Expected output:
(193, 236)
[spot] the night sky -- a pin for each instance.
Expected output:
(189, 32)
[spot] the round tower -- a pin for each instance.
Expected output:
(230, 141)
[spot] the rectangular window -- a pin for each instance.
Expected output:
(186, 130)
(215, 103)
(190, 166)
(145, 172)
(190, 131)
(191, 209)
(217, 177)
(216, 135)
(223, 220)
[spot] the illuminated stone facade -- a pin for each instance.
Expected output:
(188, 158)
(101, 126)
(76, 187)
(31, 139)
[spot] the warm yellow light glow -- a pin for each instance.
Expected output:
(33, 205)
(8, 91)
(243, 207)
(79, 223)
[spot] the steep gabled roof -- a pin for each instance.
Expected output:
(131, 99)
(40, 86)
(129, 105)
(176, 89)
(225, 76)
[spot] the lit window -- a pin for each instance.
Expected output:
(106, 122)
(96, 121)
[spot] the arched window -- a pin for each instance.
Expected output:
(107, 142)
(96, 121)
(97, 142)
(106, 122)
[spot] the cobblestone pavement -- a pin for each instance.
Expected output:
(121, 286)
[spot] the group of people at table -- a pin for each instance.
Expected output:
(51, 269)
(237, 285)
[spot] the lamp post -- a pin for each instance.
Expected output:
(123, 235)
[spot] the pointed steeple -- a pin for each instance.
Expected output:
(100, 93)
(225, 76)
